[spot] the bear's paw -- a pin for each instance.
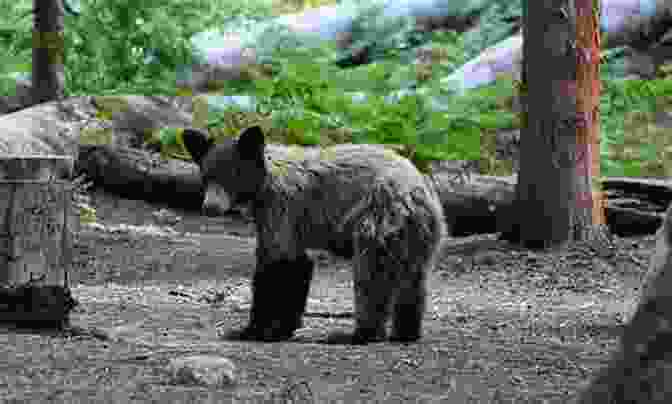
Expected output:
(346, 338)
(255, 334)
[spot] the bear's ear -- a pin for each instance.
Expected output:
(197, 143)
(251, 143)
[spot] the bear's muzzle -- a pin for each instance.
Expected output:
(217, 201)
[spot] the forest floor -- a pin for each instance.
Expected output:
(504, 325)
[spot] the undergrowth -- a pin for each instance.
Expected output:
(303, 97)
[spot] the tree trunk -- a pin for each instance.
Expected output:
(587, 120)
(48, 51)
(36, 225)
(557, 159)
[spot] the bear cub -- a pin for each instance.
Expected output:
(363, 199)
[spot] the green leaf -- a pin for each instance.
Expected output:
(96, 136)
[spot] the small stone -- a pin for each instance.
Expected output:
(203, 370)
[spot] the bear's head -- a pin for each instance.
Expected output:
(232, 172)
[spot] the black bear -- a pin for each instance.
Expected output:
(363, 198)
(639, 372)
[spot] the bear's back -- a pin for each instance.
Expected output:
(318, 191)
(346, 165)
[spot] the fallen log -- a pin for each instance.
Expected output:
(654, 190)
(134, 174)
(474, 204)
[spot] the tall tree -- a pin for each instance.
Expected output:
(559, 156)
(48, 51)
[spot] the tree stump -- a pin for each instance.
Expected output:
(36, 228)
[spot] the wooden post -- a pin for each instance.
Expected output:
(36, 226)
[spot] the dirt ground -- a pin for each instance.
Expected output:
(503, 325)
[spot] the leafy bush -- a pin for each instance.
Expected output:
(125, 47)
(631, 145)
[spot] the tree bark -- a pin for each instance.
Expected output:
(558, 158)
(36, 240)
(48, 51)
(587, 55)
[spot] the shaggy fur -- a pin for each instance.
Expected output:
(362, 199)
(267, 323)
(641, 370)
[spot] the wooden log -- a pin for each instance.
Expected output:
(133, 174)
(36, 227)
(477, 204)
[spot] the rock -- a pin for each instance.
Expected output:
(640, 63)
(203, 370)
(164, 217)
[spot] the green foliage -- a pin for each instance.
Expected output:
(307, 94)
(631, 145)
(108, 43)
(495, 24)
(172, 143)
(125, 47)
(15, 42)
(122, 46)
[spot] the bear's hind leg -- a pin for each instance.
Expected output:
(279, 294)
(375, 283)
(409, 309)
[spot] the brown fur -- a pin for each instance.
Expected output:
(641, 370)
(363, 197)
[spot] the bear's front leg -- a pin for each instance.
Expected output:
(260, 323)
(279, 294)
